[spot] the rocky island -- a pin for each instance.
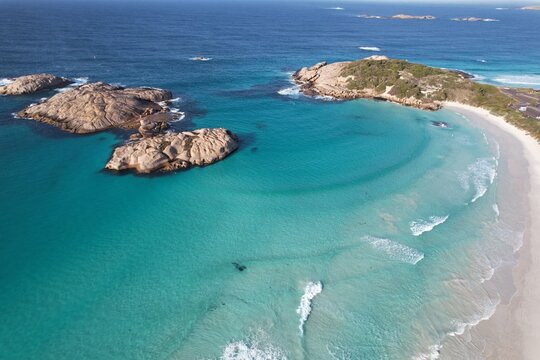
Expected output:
(413, 17)
(100, 106)
(474, 19)
(174, 151)
(417, 85)
(534, 7)
(30, 84)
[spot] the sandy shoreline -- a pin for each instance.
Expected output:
(513, 332)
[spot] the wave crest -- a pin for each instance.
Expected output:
(5, 81)
(252, 350)
(479, 175)
(292, 91)
(420, 226)
(369, 48)
(304, 309)
(395, 250)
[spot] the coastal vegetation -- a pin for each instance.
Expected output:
(403, 79)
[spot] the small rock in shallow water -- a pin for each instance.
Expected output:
(239, 267)
(440, 124)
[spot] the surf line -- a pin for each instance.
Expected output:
(304, 309)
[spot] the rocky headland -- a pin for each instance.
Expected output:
(30, 84)
(174, 151)
(416, 85)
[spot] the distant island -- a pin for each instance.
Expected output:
(534, 7)
(399, 17)
(474, 19)
(413, 17)
(420, 86)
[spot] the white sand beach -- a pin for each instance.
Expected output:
(513, 332)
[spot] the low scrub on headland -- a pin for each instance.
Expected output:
(403, 79)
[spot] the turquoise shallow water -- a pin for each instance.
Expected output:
(99, 266)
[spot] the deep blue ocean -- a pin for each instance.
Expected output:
(366, 232)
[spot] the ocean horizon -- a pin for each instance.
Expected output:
(338, 230)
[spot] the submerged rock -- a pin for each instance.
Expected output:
(98, 106)
(174, 151)
(440, 124)
(239, 267)
(30, 84)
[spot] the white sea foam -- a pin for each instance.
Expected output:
(76, 83)
(200, 58)
(481, 60)
(177, 115)
(324, 97)
(496, 209)
(252, 350)
(489, 275)
(432, 354)
(304, 309)
(487, 311)
(292, 91)
(530, 80)
(501, 8)
(420, 226)
(365, 16)
(335, 8)
(478, 77)
(5, 81)
(395, 250)
(480, 175)
(369, 48)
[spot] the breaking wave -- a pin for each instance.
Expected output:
(420, 226)
(252, 350)
(292, 91)
(304, 309)
(76, 83)
(335, 8)
(5, 82)
(479, 175)
(369, 48)
(200, 58)
(177, 115)
(488, 311)
(395, 250)
(433, 354)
